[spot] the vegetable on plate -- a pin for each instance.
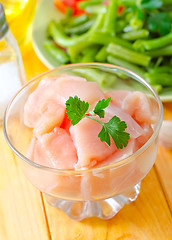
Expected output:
(135, 34)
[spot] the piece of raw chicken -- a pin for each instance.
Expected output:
(58, 144)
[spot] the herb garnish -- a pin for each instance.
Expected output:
(150, 4)
(160, 22)
(77, 109)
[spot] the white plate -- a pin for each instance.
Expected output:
(45, 12)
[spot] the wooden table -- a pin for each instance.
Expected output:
(25, 214)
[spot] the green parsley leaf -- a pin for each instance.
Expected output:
(115, 127)
(76, 109)
(160, 22)
(102, 104)
(150, 4)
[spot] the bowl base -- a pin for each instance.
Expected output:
(105, 209)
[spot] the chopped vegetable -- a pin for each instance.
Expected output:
(159, 22)
(150, 4)
(127, 54)
(59, 54)
(135, 34)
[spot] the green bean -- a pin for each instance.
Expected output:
(128, 2)
(106, 38)
(102, 54)
(59, 54)
(154, 43)
(96, 9)
(61, 38)
(77, 49)
(87, 3)
(167, 2)
(125, 64)
(128, 55)
(166, 51)
(158, 62)
(58, 35)
(133, 35)
(75, 21)
(157, 87)
(164, 79)
(79, 46)
(120, 26)
(80, 28)
(161, 69)
(106, 80)
(90, 74)
(90, 53)
(77, 58)
(110, 18)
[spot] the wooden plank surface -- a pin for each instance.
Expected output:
(147, 218)
(163, 163)
(23, 215)
(21, 210)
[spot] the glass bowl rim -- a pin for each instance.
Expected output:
(98, 169)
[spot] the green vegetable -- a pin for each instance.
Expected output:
(159, 22)
(115, 127)
(127, 3)
(166, 51)
(166, 2)
(159, 78)
(128, 55)
(77, 109)
(59, 54)
(161, 69)
(106, 38)
(157, 87)
(102, 54)
(133, 35)
(110, 18)
(90, 54)
(99, 108)
(75, 21)
(125, 64)
(96, 9)
(56, 32)
(92, 6)
(104, 79)
(82, 28)
(154, 43)
(87, 3)
(90, 74)
(149, 4)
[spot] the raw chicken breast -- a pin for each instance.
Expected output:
(133, 128)
(131, 147)
(117, 97)
(54, 149)
(137, 105)
(57, 91)
(86, 91)
(148, 131)
(90, 149)
(37, 101)
(52, 117)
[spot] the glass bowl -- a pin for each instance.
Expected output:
(101, 191)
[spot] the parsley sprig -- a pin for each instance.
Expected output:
(77, 109)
